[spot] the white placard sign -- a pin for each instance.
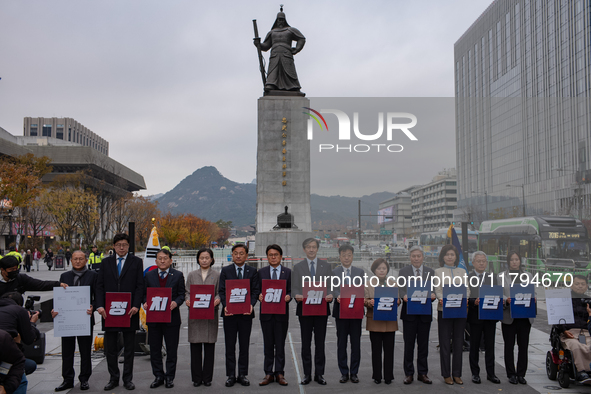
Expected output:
(71, 304)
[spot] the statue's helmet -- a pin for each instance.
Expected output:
(280, 15)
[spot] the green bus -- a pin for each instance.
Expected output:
(549, 244)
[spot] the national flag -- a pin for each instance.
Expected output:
(451, 233)
(152, 249)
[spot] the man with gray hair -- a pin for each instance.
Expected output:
(416, 328)
(478, 327)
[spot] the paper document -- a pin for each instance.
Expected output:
(71, 304)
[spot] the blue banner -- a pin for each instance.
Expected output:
(523, 304)
(385, 306)
(490, 306)
(454, 302)
(419, 298)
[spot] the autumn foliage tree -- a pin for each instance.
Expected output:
(20, 182)
(186, 230)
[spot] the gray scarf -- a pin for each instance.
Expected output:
(78, 274)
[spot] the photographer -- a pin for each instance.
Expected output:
(575, 337)
(19, 323)
(14, 381)
(11, 280)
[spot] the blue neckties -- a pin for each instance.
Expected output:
(162, 275)
(239, 273)
(312, 269)
(119, 265)
(274, 273)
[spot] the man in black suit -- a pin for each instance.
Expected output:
(275, 326)
(120, 273)
(479, 327)
(11, 280)
(238, 326)
(165, 276)
(347, 327)
(80, 275)
(312, 267)
(416, 327)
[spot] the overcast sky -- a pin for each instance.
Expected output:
(173, 85)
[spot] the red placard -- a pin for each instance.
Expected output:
(202, 300)
(158, 299)
(352, 299)
(117, 306)
(273, 296)
(314, 303)
(238, 296)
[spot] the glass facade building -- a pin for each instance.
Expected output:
(522, 109)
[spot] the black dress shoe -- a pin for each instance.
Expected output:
(408, 379)
(231, 380)
(377, 381)
(388, 381)
(169, 383)
(157, 383)
(354, 378)
(513, 380)
(493, 379)
(476, 379)
(111, 385)
(84, 386)
(243, 381)
(344, 379)
(196, 384)
(64, 386)
(307, 379)
(521, 380)
(129, 386)
(207, 384)
(320, 379)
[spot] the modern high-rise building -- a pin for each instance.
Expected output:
(66, 129)
(523, 116)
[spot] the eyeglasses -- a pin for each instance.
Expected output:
(122, 245)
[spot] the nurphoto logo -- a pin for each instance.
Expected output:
(397, 124)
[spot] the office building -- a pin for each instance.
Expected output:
(522, 109)
(394, 215)
(65, 129)
(432, 205)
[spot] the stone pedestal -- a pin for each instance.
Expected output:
(289, 240)
(283, 173)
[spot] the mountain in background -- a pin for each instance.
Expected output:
(209, 195)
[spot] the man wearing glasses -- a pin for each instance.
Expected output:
(238, 326)
(120, 273)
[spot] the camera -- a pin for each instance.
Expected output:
(30, 304)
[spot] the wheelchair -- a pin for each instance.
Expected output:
(560, 364)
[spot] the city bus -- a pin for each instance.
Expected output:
(433, 241)
(549, 244)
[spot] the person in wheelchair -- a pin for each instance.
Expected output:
(575, 337)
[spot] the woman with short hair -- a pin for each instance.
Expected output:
(203, 334)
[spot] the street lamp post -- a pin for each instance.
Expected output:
(522, 186)
(485, 201)
(579, 197)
